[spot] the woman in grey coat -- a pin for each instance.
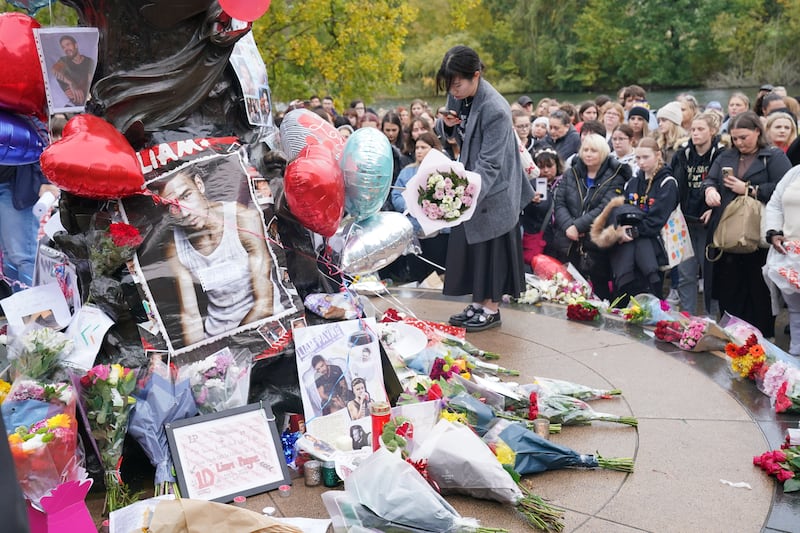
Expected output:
(484, 256)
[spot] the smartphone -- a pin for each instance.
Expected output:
(727, 171)
(541, 187)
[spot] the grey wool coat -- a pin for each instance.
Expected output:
(490, 148)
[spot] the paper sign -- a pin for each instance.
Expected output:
(231, 453)
(44, 305)
(339, 366)
(87, 330)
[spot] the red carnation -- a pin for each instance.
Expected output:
(124, 235)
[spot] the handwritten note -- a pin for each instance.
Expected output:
(228, 456)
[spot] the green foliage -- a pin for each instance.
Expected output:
(56, 14)
(340, 47)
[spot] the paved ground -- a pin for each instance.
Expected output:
(697, 426)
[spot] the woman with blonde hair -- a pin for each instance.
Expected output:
(584, 190)
(690, 165)
(611, 115)
(689, 109)
(781, 130)
(737, 103)
(670, 134)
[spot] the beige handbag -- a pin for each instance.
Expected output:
(739, 228)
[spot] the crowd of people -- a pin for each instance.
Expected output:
(610, 173)
(615, 170)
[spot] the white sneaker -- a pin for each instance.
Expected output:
(673, 298)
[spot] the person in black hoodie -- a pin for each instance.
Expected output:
(629, 227)
(584, 190)
(690, 164)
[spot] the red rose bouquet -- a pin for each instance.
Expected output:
(582, 311)
(784, 464)
(669, 330)
(113, 248)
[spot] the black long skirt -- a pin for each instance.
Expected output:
(486, 270)
(740, 288)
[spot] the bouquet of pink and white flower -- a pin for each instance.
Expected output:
(442, 193)
(107, 399)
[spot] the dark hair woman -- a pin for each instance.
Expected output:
(753, 167)
(484, 256)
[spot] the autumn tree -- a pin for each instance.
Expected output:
(345, 48)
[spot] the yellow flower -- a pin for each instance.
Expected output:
(505, 454)
(4, 388)
(14, 438)
(454, 417)
(59, 421)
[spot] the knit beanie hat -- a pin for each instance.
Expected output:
(542, 120)
(671, 112)
(639, 111)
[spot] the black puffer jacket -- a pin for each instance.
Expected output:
(578, 204)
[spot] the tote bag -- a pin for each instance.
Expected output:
(739, 228)
(676, 240)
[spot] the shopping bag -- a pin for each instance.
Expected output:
(676, 240)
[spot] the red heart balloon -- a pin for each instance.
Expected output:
(314, 189)
(94, 160)
(247, 10)
(21, 81)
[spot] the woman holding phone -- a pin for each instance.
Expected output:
(753, 167)
(484, 256)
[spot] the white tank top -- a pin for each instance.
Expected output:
(224, 275)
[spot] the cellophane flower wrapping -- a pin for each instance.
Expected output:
(460, 462)
(220, 381)
(107, 400)
(37, 351)
(781, 383)
(112, 248)
(569, 411)
(549, 386)
(40, 418)
(395, 491)
(528, 453)
(430, 216)
(160, 399)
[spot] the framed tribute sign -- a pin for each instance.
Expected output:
(231, 453)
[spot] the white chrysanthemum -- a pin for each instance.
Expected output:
(33, 443)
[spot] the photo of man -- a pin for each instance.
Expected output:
(73, 71)
(331, 385)
(219, 245)
(68, 66)
(359, 437)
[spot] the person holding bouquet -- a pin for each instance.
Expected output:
(434, 247)
(484, 256)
